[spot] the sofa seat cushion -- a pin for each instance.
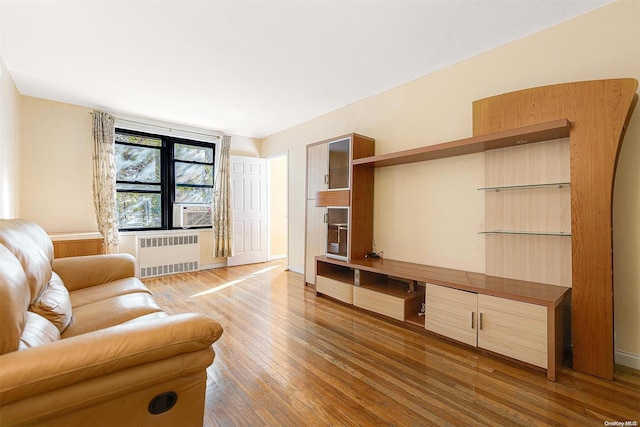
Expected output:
(37, 331)
(110, 312)
(54, 303)
(147, 318)
(85, 296)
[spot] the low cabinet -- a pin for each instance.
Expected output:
(515, 329)
(519, 320)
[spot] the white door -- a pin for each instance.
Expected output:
(249, 192)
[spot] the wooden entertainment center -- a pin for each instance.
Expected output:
(548, 239)
(473, 308)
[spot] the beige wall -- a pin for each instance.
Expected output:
(9, 145)
(431, 212)
(56, 167)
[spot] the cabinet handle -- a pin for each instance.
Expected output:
(326, 218)
(480, 321)
(472, 319)
(326, 179)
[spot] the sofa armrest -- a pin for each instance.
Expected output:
(85, 271)
(84, 357)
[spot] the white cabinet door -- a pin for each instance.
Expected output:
(513, 328)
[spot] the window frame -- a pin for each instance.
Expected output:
(167, 173)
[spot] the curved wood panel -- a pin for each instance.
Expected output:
(598, 111)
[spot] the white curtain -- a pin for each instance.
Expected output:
(222, 206)
(104, 180)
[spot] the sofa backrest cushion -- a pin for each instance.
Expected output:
(14, 301)
(33, 248)
(37, 331)
(54, 303)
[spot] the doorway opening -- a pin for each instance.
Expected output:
(278, 207)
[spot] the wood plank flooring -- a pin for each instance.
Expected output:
(289, 358)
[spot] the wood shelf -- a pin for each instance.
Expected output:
(416, 320)
(528, 134)
(394, 288)
(518, 290)
(337, 272)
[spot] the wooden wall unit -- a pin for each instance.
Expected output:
(562, 213)
(599, 112)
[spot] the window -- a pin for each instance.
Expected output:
(155, 171)
(193, 166)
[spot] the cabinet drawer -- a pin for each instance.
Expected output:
(451, 313)
(379, 302)
(513, 328)
(335, 289)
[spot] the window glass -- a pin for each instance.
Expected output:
(137, 164)
(194, 174)
(138, 139)
(153, 172)
(194, 195)
(193, 153)
(139, 210)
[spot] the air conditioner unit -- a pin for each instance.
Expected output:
(186, 215)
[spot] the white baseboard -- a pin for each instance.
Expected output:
(295, 269)
(627, 359)
(281, 256)
(212, 266)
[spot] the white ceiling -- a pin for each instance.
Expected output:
(250, 68)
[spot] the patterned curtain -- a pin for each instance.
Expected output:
(222, 207)
(104, 180)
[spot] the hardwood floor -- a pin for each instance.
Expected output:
(290, 358)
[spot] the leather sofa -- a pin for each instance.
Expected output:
(83, 343)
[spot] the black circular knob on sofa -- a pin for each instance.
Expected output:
(162, 402)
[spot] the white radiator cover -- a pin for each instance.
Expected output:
(163, 254)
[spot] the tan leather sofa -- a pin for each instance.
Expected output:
(83, 343)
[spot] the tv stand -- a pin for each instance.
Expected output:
(533, 312)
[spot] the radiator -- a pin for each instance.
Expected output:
(159, 255)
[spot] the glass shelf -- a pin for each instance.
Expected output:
(528, 233)
(520, 187)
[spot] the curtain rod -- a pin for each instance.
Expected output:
(164, 127)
